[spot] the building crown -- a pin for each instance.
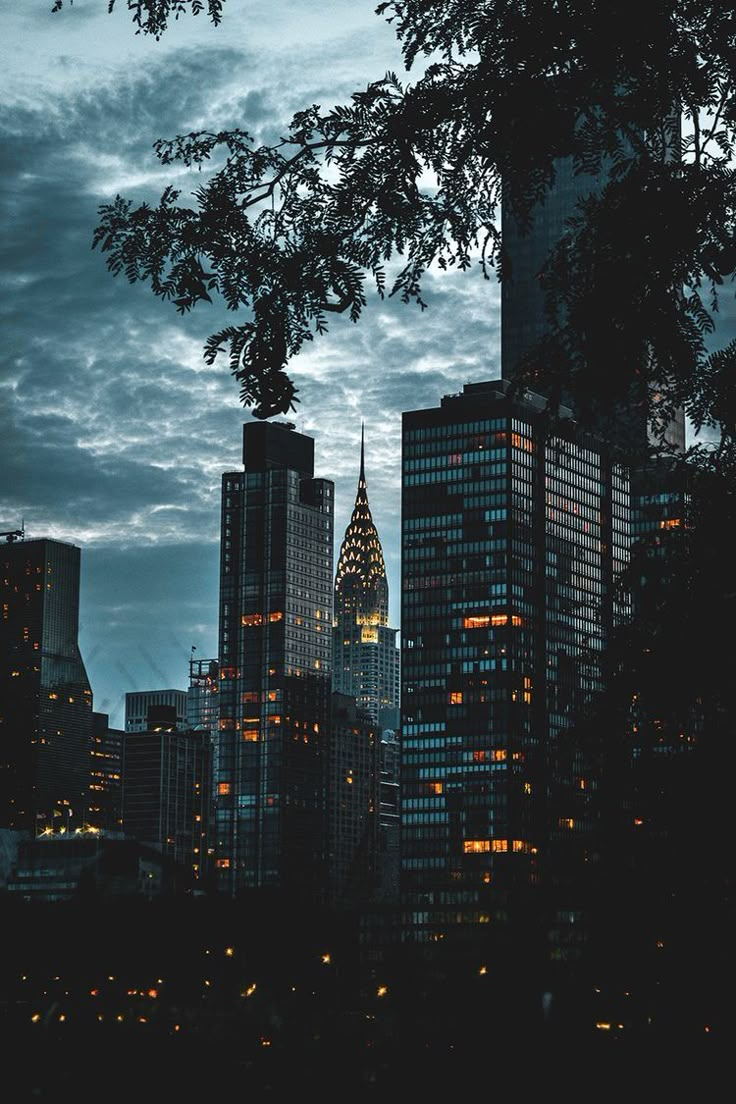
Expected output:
(361, 553)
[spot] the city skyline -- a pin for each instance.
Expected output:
(115, 434)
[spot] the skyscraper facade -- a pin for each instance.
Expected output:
(45, 695)
(511, 537)
(167, 791)
(366, 659)
(106, 770)
(203, 703)
(275, 666)
(352, 802)
(523, 313)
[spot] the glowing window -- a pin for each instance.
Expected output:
(476, 621)
(470, 846)
(250, 619)
(455, 697)
(223, 788)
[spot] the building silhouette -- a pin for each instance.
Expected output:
(352, 803)
(524, 320)
(138, 703)
(275, 667)
(74, 867)
(106, 767)
(167, 792)
(45, 695)
(366, 659)
(512, 533)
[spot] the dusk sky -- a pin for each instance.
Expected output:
(114, 433)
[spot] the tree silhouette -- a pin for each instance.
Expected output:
(413, 174)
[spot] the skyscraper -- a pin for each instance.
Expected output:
(106, 768)
(45, 695)
(511, 536)
(523, 312)
(352, 802)
(366, 659)
(167, 791)
(275, 666)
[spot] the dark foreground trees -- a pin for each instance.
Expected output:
(410, 174)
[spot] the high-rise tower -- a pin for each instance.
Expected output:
(523, 311)
(275, 656)
(511, 536)
(366, 660)
(45, 695)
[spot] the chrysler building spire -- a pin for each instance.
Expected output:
(366, 663)
(361, 570)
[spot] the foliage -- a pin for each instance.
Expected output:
(414, 174)
(151, 17)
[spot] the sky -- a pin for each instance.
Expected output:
(114, 433)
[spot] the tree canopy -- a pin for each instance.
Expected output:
(414, 173)
(151, 17)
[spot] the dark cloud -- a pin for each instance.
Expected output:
(113, 432)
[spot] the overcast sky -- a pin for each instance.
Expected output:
(113, 431)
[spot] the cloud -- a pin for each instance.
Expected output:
(115, 433)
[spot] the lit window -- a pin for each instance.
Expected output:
(252, 619)
(476, 621)
(223, 788)
(476, 845)
(455, 697)
(277, 615)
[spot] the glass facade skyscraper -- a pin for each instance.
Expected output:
(275, 655)
(523, 313)
(511, 537)
(45, 695)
